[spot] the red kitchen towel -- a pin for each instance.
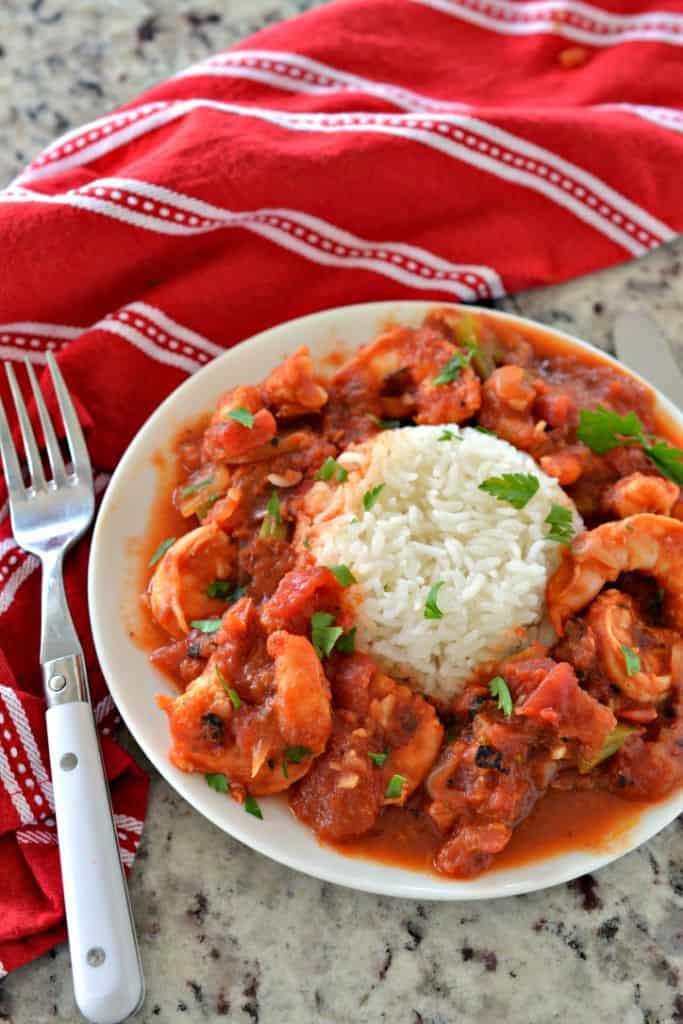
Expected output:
(445, 149)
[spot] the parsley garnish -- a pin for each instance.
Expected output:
(447, 435)
(378, 759)
(307, 542)
(161, 551)
(331, 468)
(344, 575)
(561, 524)
(241, 415)
(483, 430)
(516, 488)
(385, 424)
(218, 781)
(324, 635)
(251, 807)
(272, 525)
(346, 644)
(631, 660)
(602, 430)
(221, 589)
(206, 625)
(232, 694)
(191, 488)
(295, 755)
(613, 742)
(431, 608)
(499, 688)
(371, 496)
(453, 368)
(395, 787)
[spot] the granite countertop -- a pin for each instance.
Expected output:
(226, 933)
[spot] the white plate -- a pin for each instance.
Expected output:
(134, 682)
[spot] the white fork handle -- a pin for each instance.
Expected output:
(108, 980)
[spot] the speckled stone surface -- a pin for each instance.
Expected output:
(225, 933)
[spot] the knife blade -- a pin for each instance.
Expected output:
(640, 345)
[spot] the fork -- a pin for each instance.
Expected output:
(48, 516)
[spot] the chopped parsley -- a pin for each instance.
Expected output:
(431, 608)
(631, 660)
(232, 694)
(601, 430)
(191, 488)
(331, 468)
(220, 589)
(324, 634)
(251, 807)
(206, 625)
(447, 435)
(272, 525)
(499, 688)
(453, 368)
(241, 415)
(346, 644)
(218, 781)
(343, 574)
(161, 551)
(371, 496)
(378, 759)
(561, 524)
(385, 424)
(395, 787)
(516, 488)
(295, 755)
(483, 430)
(613, 742)
(307, 542)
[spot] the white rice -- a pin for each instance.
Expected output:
(431, 522)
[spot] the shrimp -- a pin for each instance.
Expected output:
(617, 625)
(638, 492)
(401, 368)
(642, 543)
(263, 737)
(291, 390)
(508, 397)
(229, 440)
(382, 732)
(178, 590)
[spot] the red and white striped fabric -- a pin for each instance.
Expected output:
(452, 149)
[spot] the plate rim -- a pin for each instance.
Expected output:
(432, 887)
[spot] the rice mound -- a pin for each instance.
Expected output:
(430, 523)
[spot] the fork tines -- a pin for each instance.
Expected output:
(78, 452)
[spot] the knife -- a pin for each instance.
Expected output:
(640, 345)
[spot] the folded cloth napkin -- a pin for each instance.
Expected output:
(445, 149)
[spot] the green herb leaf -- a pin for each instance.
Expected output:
(371, 496)
(346, 644)
(484, 430)
(431, 608)
(295, 755)
(233, 694)
(343, 574)
(453, 368)
(191, 488)
(284, 769)
(331, 468)
(273, 507)
(668, 460)
(324, 635)
(161, 551)
(385, 424)
(378, 759)
(448, 435)
(561, 524)
(272, 525)
(206, 625)
(241, 415)
(218, 781)
(601, 430)
(499, 688)
(395, 787)
(631, 660)
(221, 589)
(612, 744)
(516, 488)
(251, 807)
